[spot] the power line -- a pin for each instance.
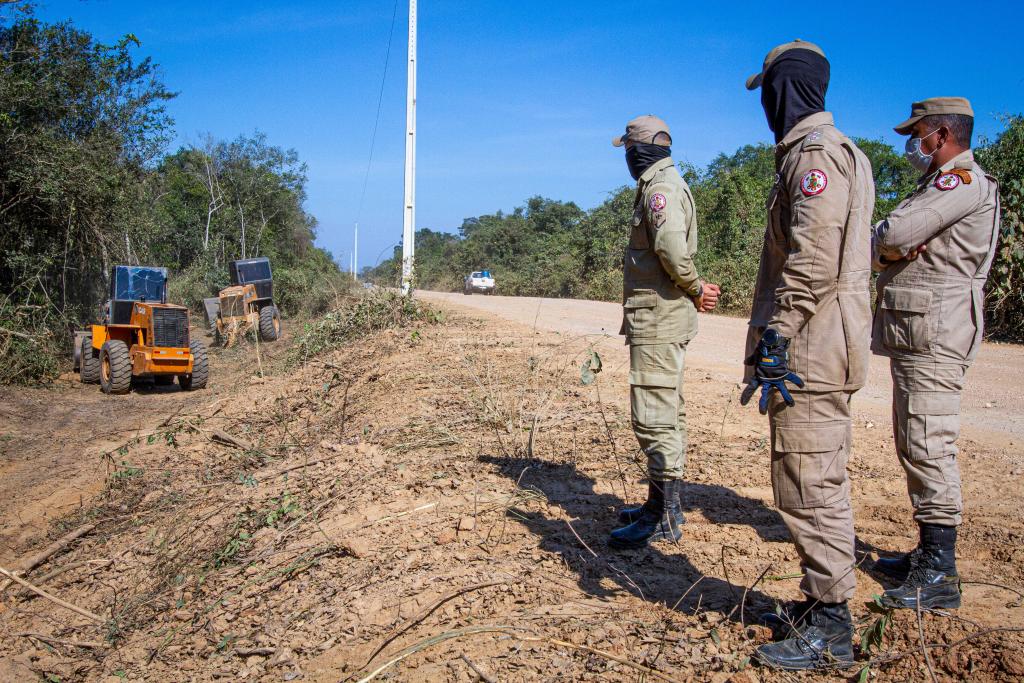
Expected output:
(376, 121)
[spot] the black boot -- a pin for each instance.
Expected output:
(932, 581)
(629, 515)
(898, 567)
(823, 640)
(656, 521)
(790, 618)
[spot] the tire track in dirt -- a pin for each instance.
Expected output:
(53, 441)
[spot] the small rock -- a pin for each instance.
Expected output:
(445, 537)
(467, 524)
(284, 656)
(990, 405)
(356, 547)
(1013, 663)
(744, 677)
(182, 615)
(870, 425)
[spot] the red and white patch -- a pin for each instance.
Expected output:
(947, 181)
(814, 182)
(658, 202)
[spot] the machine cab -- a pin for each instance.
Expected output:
(255, 272)
(131, 284)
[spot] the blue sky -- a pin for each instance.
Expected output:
(522, 98)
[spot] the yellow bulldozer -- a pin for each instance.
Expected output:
(142, 338)
(247, 304)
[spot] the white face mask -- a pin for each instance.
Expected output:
(920, 161)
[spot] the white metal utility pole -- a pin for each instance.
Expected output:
(355, 254)
(409, 222)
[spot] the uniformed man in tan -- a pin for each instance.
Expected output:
(662, 294)
(808, 344)
(934, 252)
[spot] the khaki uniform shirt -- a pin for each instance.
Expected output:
(812, 285)
(659, 277)
(932, 307)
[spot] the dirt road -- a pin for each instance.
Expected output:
(993, 404)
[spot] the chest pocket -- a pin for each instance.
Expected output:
(638, 231)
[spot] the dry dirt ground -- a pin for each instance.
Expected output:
(432, 503)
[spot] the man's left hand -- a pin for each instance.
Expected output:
(771, 370)
(708, 298)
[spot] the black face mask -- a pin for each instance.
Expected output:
(640, 157)
(793, 89)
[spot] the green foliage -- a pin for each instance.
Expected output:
(555, 249)
(1004, 158)
(85, 185)
(378, 309)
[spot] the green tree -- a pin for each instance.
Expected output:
(1004, 158)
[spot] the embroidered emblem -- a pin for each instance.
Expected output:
(658, 202)
(947, 181)
(814, 182)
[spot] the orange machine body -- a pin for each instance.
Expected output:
(238, 306)
(138, 336)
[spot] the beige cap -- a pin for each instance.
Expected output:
(754, 82)
(643, 129)
(932, 106)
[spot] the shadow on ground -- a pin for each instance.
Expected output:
(651, 573)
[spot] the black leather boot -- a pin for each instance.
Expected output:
(658, 519)
(631, 514)
(790, 618)
(823, 640)
(933, 580)
(898, 566)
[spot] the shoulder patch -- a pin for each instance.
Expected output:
(814, 182)
(948, 181)
(657, 202)
(964, 175)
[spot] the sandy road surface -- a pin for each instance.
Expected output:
(993, 407)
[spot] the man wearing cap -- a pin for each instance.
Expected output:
(933, 253)
(806, 345)
(661, 296)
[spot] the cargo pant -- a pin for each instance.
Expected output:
(810, 449)
(926, 425)
(657, 408)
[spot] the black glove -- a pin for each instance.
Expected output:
(771, 370)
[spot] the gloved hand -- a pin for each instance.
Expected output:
(771, 370)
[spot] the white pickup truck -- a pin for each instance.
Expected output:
(478, 281)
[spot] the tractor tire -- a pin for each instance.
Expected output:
(88, 362)
(200, 368)
(270, 323)
(115, 368)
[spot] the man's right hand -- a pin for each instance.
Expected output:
(708, 298)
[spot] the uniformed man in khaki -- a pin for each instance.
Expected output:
(934, 252)
(808, 344)
(662, 294)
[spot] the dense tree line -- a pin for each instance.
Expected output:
(86, 183)
(552, 248)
